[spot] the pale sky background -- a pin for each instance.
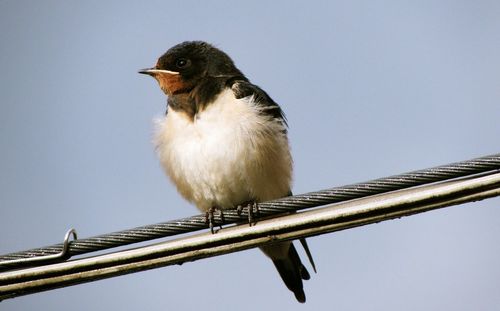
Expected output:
(370, 89)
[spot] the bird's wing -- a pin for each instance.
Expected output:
(243, 89)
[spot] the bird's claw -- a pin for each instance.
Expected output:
(252, 209)
(210, 217)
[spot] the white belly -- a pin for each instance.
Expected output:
(228, 155)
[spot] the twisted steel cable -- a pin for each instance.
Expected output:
(265, 209)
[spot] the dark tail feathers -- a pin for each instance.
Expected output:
(292, 271)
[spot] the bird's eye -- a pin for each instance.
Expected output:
(181, 62)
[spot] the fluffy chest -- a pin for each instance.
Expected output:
(224, 130)
(225, 156)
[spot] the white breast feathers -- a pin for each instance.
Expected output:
(229, 154)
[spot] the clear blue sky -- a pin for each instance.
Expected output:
(370, 89)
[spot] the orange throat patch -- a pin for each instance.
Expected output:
(170, 83)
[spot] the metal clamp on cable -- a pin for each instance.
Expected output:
(39, 260)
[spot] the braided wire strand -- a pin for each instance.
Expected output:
(280, 206)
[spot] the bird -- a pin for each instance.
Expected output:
(223, 142)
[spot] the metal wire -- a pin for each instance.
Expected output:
(313, 222)
(284, 205)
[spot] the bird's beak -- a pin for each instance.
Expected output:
(154, 71)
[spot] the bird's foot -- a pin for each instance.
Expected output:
(252, 209)
(210, 217)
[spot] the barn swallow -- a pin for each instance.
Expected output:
(223, 141)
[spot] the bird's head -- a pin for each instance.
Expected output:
(185, 65)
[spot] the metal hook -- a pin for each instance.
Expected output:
(63, 254)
